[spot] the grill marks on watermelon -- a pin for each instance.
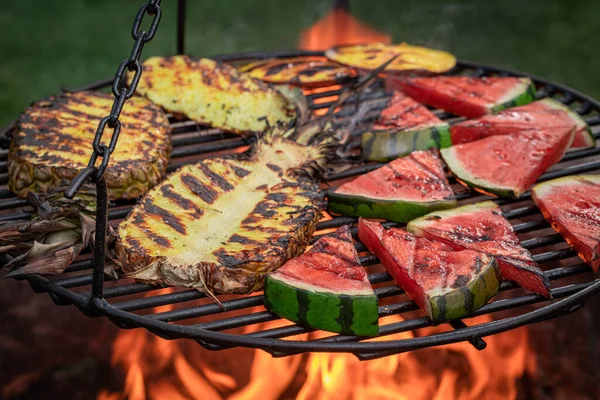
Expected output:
(481, 227)
(403, 127)
(572, 206)
(325, 288)
(543, 114)
(402, 190)
(507, 165)
(469, 97)
(445, 283)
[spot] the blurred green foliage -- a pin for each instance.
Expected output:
(47, 45)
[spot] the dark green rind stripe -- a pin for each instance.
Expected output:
(526, 97)
(340, 313)
(391, 210)
(464, 300)
(389, 145)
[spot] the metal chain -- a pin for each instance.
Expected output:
(120, 90)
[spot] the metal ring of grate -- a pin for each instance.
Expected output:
(191, 315)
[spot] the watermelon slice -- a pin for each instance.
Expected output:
(445, 283)
(547, 113)
(403, 127)
(507, 165)
(468, 96)
(402, 190)
(325, 288)
(572, 206)
(481, 227)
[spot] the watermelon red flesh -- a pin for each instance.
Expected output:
(467, 96)
(403, 113)
(325, 288)
(546, 113)
(403, 126)
(399, 191)
(507, 165)
(481, 227)
(445, 283)
(572, 206)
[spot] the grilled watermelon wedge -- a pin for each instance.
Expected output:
(403, 127)
(542, 114)
(481, 227)
(572, 206)
(306, 72)
(325, 288)
(410, 59)
(400, 191)
(468, 96)
(507, 165)
(214, 94)
(445, 283)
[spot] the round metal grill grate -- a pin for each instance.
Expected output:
(178, 313)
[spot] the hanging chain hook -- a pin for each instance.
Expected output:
(122, 92)
(94, 173)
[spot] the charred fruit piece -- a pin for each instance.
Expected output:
(508, 165)
(214, 94)
(572, 206)
(468, 96)
(445, 283)
(481, 227)
(222, 224)
(400, 191)
(403, 127)
(325, 288)
(53, 142)
(542, 114)
(306, 72)
(413, 59)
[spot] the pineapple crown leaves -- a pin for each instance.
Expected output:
(47, 243)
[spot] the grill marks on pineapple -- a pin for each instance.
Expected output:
(54, 141)
(235, 214)
(186, 204)
(213, 93)
(205, 192)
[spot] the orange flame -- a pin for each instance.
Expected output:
(160, 369)
(338, 27)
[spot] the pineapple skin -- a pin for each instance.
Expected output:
(53, 142)
(221, 225)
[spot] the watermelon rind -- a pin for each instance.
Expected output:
(387, 145)
(521, 94)
(462, 301)
(391, 210)
(467, 178)
(307, 305)
(583, 128)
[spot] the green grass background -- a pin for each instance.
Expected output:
(47, 45)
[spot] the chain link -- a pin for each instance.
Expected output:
(120, 89)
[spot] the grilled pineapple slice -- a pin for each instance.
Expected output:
(220, 225)
(53, 142)
(214, 94)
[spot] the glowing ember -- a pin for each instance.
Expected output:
(160, 369)
(336, 28)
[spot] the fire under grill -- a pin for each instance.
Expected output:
(180, 313)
